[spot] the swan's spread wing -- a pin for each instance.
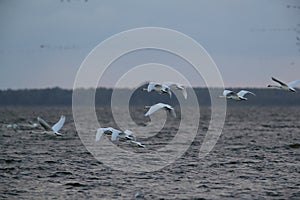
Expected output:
(153, 85)
(108, 131)
(173, 85)
(155, 108)
(228, 93)
(184, 93)
(293, 83)
(150, 86)
(115, 134)
(177, 86)
(99, 133)
(59, 124)
(278, 81)
(173, 112)
(44, 124)
(242, 93)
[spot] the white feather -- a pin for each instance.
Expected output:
(242, 93)
(158, 106)
(293, 83)
(59, 124)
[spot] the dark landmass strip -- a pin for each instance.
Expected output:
(57, 96)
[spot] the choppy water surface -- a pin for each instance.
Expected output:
(256, 157)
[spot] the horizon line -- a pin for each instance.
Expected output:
(124, 88)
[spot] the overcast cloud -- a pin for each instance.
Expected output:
(44, 42)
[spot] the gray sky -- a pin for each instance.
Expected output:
(44, 42)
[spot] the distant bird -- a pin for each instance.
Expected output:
(137, 143)
(288, 87)
(236, 96)
(176, 86)
(166, 87)
(15, 127)
(158, 106)
(114, 133)
(54, 129)
(158, 87)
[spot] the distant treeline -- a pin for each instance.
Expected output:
(57, 96)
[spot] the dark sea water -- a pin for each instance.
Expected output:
(256, 157)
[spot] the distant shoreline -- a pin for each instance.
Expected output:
(63, 97)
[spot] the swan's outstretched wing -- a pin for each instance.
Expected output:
(115, 134)
(184, 93)
(293, 83)
(177, 86)
(44, 124)
(173, 85)
(242, 93)
(155, 108)
(153, 85)
(99, 133)
(59, 124)
(173, 112)
(278, 81)
(228, 93)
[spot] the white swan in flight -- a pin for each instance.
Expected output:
(236, 96)
(55, 128)
(176, 86)
(158, 87)
(285, 86)
(114, 133)
(166, 87)
(158, 106)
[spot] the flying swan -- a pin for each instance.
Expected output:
(114, 133)
(55, 128)
(166, 87)
(236, 96)
(176, 86)
(289, 86)
(158, 87)
(158, 106)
